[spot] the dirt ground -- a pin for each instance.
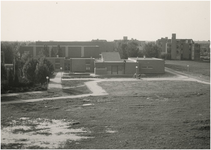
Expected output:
(135, 115)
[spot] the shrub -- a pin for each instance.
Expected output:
(41, 72)
(10, 77)
(49, 65)
(29, 70)
(3, 72)
(36, 70)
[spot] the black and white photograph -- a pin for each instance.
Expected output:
(105, 74)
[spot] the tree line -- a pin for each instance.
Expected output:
(131, 49)
(27, 71)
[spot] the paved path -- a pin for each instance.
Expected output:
(92, 85)
(55, 82)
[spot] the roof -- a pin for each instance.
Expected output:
(202, 42)
(110, 56)
(138, 58)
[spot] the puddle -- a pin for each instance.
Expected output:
(41, 132)
(109, 130)
(87, 104)
(24, 118)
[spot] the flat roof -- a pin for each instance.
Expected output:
(141, 58)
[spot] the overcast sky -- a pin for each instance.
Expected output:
(109, 20)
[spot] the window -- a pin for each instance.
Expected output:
(88, 68)
(57, 61)
(147, 67)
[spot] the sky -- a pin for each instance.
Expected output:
(107, 20)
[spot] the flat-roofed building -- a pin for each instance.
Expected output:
(111, 64)
(178, 49)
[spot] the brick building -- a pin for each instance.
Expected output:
(178, 49)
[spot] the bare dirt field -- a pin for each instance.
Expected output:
(135, 115)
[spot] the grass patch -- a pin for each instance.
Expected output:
(197, 69)
(71, 87)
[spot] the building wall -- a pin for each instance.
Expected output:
(173, 47)
(93, 52)
(78, 65)
(57, 62)
(151, 66)
(130, 67)
(196, 52)
(205, 49)
(74, 52)
(82, 65)
(72, 64)
(104, 46)
(109, 68)
(186, 51)
(162, 43)
(61, 51)
(26, 49)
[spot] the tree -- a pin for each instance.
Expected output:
(29, 70)
(49, 65)
(36, 70)
(7, 49)
(140, 53)
(3, 72)
(152, 50)
(132, 49)
(54, 52)
(10, 77)
(123, 50)
(41, 72)
(128, 49)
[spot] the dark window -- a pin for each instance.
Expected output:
(57, 60)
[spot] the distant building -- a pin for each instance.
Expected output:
(69, 49)
(204, 47)
(96, 56)
(196, 52)
(162, 43)
(178, 49)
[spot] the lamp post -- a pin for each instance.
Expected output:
(61, 73)
(137, 72)
(47, 78)
(188, 69)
